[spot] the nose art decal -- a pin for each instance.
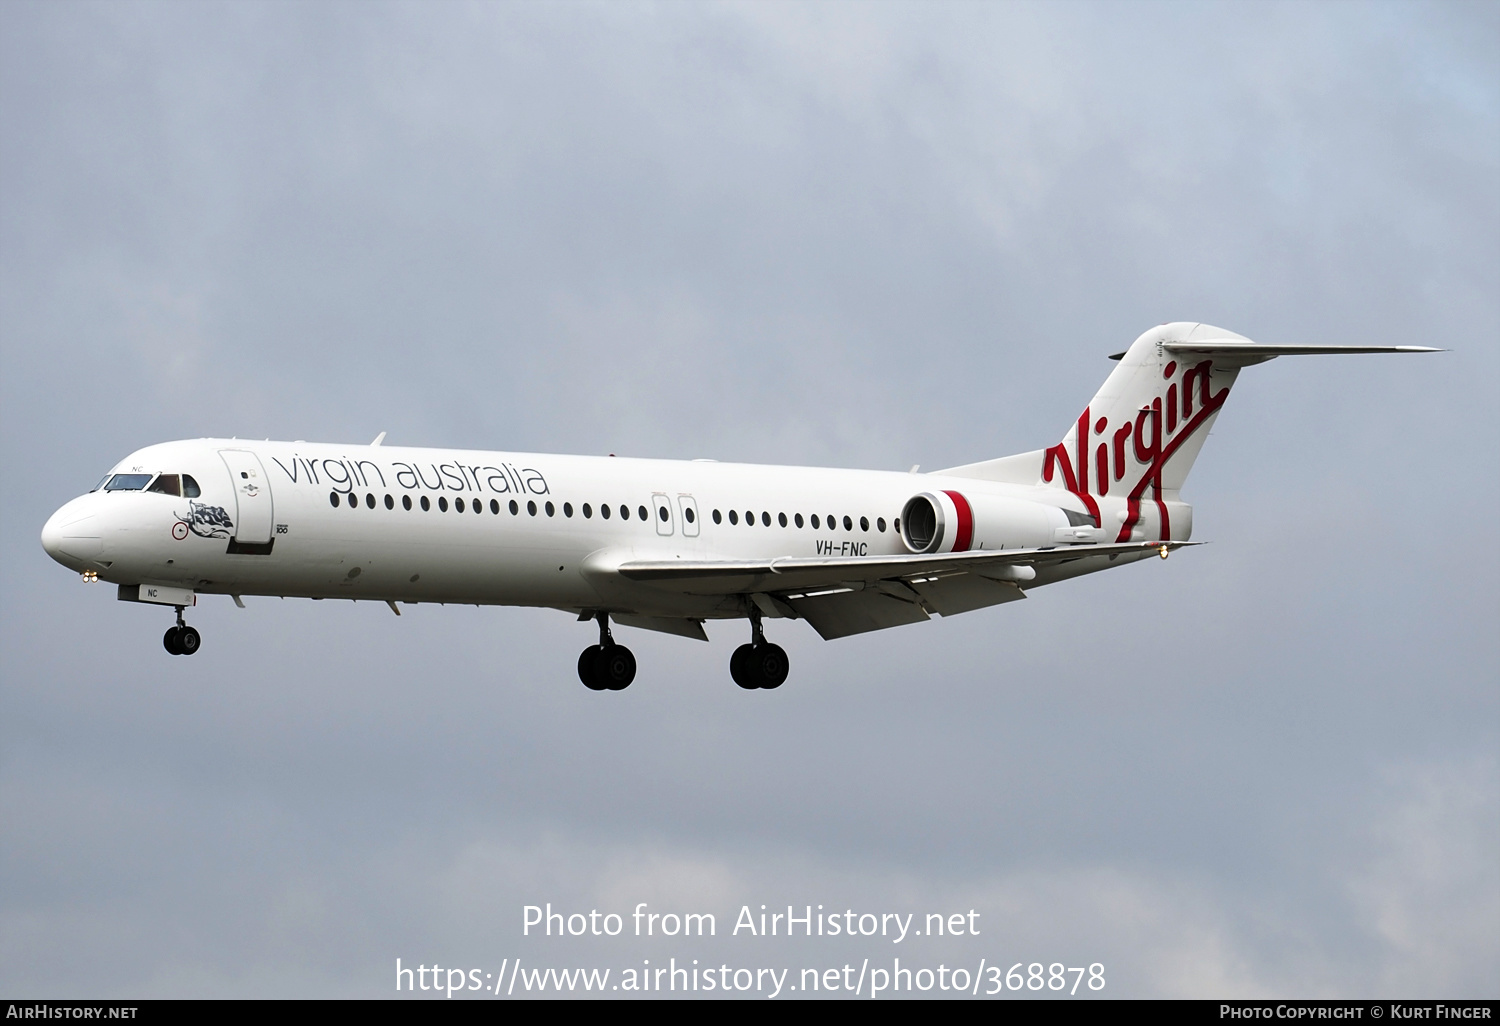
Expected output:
(203, 520)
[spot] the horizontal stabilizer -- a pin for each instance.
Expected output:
(1254, 351)
(1257, 352)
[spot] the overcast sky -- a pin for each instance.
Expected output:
(864, 235)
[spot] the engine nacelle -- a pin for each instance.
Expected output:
(950, 521)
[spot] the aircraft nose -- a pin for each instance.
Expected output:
(71, 536)
(52, 534)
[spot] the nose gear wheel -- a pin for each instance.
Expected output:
(181, 639)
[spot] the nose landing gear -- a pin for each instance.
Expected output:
(606, 666)
(760, 664)
(181, 639)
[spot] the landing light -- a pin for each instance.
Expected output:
(1164, 552)
(90, 577)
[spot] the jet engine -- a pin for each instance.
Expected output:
(950, 521)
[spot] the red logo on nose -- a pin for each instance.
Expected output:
(179, 530)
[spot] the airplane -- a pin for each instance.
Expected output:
(667, 545)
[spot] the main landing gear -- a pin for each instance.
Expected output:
(605, 666)
(759, 664)
(181, 639)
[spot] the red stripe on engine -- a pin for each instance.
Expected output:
(963, 532)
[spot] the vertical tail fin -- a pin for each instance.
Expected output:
(1138, 437)
(1136, 440)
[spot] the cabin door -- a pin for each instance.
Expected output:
(689, 509)
(663, 515)
(252, 493)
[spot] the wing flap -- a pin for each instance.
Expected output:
(796, 574)
(960, 593)
(838, 614)
(680, 626)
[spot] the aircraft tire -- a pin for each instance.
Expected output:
(169, 641)
(616, 667)
(588, 663)
(740, 668)
(188, 640)
(771, 666)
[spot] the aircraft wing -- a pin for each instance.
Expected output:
(851, 595)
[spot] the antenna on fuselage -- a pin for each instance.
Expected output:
(378, 439)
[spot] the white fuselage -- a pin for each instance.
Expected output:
(444, 525)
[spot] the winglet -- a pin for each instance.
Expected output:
(378, 439)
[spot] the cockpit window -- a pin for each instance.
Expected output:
(127, 482)
(190, 487)
(102, 482)
(167, 484)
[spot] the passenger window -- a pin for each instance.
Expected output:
(642, 511)
(662, 512)
(531, 507)
(406, 502)
(166, 484)
(551, 509)
(798, 519)
(442, 503)
(717, 518)
(370, 499)
(333, 499)
(848, 524)
(687, 514)
(749, 518)
(127, 482)
(604, 511)
(568, 510)
(781, 519)
(515, 510)
(734, 518)
(864, 523)
(353, 500)
(478, 505)
(495, 507)
(880, 524)
(425, 504)
(833, 522)
(814, 521)
(588, 511)
(390, 503)
(458, 504)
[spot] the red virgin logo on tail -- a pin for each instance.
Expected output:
(1150, 441)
